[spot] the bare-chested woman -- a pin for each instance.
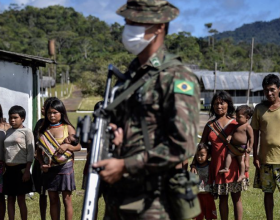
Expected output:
(3, 124)
(242, 139)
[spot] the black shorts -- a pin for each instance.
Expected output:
(38, 178)
(12, 181)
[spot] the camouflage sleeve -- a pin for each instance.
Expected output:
(180, 107)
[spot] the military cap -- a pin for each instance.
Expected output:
(148, 11)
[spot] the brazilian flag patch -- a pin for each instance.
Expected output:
(184, 87)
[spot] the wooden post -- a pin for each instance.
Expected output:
(50, 93)
(215, 77)
(249, 78)
(61, 86)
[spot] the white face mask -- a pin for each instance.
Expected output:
(133, 38)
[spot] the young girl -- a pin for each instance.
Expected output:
(18, 157)
(37, 172)
(207, 204)
(59, 176)
(240, 141)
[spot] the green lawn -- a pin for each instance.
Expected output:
(62, 91)
(77, 199)
(252, 201)
(73, 117)
(89, 102)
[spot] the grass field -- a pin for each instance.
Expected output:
(252, 201)
(88, 103)
(61, 91)
(33, 203)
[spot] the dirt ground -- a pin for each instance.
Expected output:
(72, 103)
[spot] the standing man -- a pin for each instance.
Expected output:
(265, 123)
(155, 126)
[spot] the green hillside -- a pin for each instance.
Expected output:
(263, 32)
(86, 45)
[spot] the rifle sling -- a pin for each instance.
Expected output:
(139, 83)
(170, 61)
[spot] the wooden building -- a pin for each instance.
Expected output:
(235, 83)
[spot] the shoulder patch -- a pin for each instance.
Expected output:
(155, 61)
(184, 87)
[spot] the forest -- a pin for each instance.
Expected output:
(86, 45)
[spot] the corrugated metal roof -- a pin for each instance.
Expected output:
(23, 58)
(230, 80)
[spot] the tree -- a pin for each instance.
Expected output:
(208, 26)
(85, 45)
(213, 31)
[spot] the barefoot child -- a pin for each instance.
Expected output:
(207, 204)
(37, 173)
(241, 139)
(18, 157)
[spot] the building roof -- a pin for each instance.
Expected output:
(231, 80)
(28, 60)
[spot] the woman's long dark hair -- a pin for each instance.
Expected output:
(58, 106)
(1, 114)
(223, 96)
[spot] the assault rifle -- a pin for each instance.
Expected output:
(99, 134)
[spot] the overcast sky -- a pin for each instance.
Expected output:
(224, 14)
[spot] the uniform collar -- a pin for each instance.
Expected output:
(154, 61)
(157, 58)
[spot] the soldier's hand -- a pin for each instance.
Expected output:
(118, 132)
(113, 169)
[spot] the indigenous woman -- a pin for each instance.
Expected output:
(216, 132)
(4, 126)
(57, 162)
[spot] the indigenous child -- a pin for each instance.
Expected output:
(241, 140)
(60, 176)
(207, 204)
(71, 139)
(37, 176)
(18, 157)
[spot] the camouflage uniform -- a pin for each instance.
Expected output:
(170, 105)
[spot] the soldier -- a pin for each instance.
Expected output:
(155, 127)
